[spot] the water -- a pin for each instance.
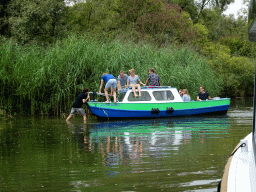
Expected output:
(178, 154)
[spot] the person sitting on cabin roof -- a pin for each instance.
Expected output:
(133, 80)
(110, 82)
(186, 96)
(153, 78)
(122, 80)
(203, 95)
(77, 106)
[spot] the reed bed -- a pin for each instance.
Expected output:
(37, 80)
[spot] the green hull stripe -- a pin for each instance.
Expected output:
(160, 106)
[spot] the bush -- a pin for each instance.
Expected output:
(237, 73)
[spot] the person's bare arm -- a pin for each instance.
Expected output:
(84, 100)
(146, 82)
(198, 99)
(101, 83)
(119, 85)
(141, 83)
(209, 97)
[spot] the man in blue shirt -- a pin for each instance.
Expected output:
(77, 106)
(110, 81)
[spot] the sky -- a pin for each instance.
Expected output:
(235, 7)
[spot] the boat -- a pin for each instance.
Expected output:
(240, 170)
(155, 101)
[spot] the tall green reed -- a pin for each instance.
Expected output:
(38, 80)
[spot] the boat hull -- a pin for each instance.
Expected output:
(240, 174)
(154, 110)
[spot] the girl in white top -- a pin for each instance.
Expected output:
(186, 96)
(133, 80)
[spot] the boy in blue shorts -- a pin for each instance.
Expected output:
(110, 81)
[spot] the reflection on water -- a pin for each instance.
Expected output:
(168, 147)
(178, 154)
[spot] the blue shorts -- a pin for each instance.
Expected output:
(111, 82)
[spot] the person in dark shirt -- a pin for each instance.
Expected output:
(77, 106)
(203, 95)
(153, 78)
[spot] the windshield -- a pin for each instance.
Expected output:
(121, 96)
(144, 96)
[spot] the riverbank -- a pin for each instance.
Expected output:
(36, 80)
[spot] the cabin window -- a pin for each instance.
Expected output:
(121, 96)
(144, 96)
(163, 95)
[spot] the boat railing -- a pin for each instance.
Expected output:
(151, 87)
(94, 96)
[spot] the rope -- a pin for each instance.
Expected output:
(242, 145)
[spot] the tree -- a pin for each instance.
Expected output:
(222, 5)
(4, 27)
(40, 20)
(216, 24)
(186, 5)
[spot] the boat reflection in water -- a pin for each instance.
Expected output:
(133, 142)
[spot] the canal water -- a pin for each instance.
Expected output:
(176, 154)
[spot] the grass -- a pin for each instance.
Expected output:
(39, 80)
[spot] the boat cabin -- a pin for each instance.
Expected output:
(150, 94)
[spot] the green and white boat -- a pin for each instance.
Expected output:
(156, 102)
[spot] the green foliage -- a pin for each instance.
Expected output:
(36, 80)
(239, 46)
(220, 5)
(153, 19)
(202, 34)
(213, 50)
(169, 21)
(236, 72)
(214, 22)
(41, 20)
(187, 6)
(80, 17)
(4, 27)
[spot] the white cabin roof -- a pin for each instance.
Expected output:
(151, 94)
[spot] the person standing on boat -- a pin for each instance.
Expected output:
(133, 81)
(186, 96)
(153, 78)
(203, 95)
(77, 106)
(110, 81)
(122, 80)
